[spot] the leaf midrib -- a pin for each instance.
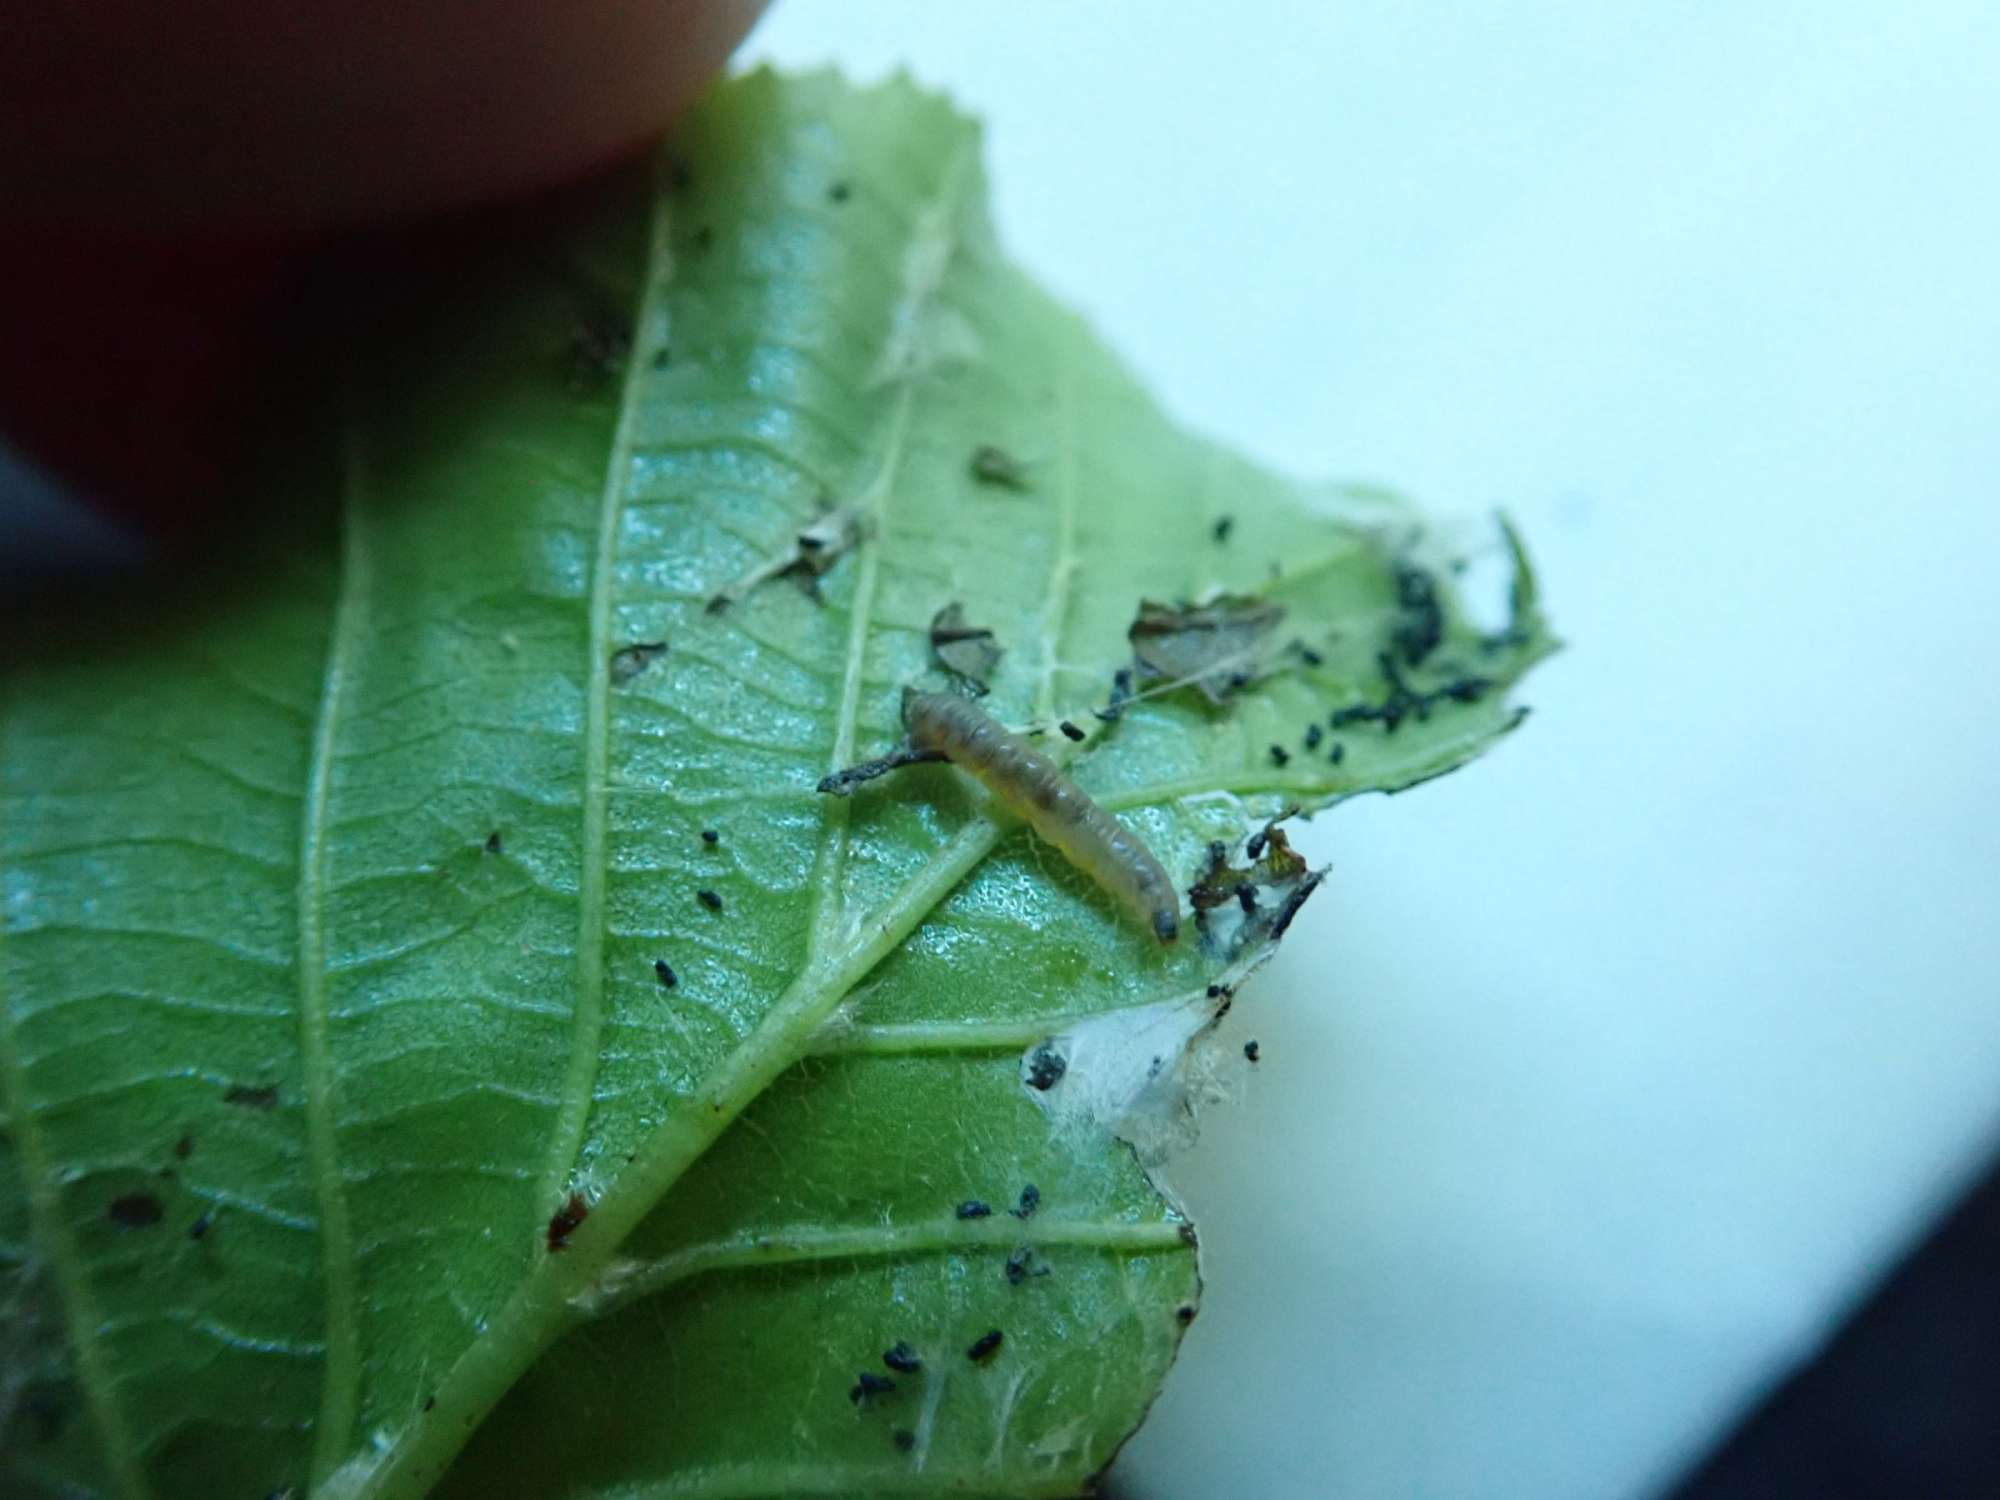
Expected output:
(534, 1316)
(936, 216)
(843, 951)
(340, 1379)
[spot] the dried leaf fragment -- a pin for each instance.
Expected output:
(1218, 646)
(840, 783)
(969, 651)
(1275, 868)
(813, 550)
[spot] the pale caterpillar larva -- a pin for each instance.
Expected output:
(1054, 806)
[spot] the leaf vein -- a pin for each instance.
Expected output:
(52, 1233)
(566, 1139)
(628, 1281)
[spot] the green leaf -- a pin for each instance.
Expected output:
(347, 1106)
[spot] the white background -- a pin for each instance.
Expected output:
(1607, 1073)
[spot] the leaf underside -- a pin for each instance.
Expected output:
(355, 1139)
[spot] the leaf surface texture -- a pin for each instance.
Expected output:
(336, 900)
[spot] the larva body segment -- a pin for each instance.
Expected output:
(1053, 805)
